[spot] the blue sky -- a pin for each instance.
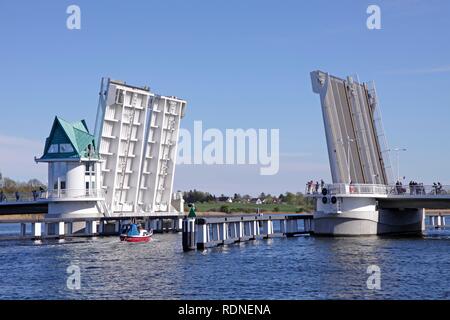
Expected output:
(239, 64)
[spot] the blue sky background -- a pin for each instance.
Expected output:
(240, 64)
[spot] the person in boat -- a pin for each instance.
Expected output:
(134, 230)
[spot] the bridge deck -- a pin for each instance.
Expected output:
(391, 197)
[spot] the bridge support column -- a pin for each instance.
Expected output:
(215, 234)
(308, 225)
(241, 230)
(248, 229)
(23, 229)
(147, 224)
(60, 229)
(36, 230)
(255, 229)
(153, 224)
(101, 227)
(268, 228)
(91, 228)
(158, 226)
(283, 226)
(223, 231)
(117, 226)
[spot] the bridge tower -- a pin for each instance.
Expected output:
(73, 170)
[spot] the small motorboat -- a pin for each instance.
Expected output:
(135, 233)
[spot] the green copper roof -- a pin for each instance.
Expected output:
(65, 133)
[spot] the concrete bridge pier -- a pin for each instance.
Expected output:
(351, 216)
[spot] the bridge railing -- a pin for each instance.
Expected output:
(51, 194)
(419, 190)
(343, 188)
(75, 193)
(379, 189)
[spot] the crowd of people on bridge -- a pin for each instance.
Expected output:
(416, 188)
(413, 188)
(315, 187)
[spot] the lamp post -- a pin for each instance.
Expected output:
(397, 150)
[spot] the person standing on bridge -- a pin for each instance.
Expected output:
(17, 194)
(435, 187)
(41, 192)
(2, 196)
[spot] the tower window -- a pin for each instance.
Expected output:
(53, 148)
(89, 168)
(65, 147)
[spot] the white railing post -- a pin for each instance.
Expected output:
(202, 236)
(241, 229)
(36, 230)
(60, 228)
(224, 231)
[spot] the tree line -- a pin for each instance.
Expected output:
(8, 185)
(195, 196)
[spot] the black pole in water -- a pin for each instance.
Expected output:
(189, 234)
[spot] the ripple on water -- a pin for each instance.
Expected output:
(294, 268)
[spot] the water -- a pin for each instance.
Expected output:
(294, 268)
